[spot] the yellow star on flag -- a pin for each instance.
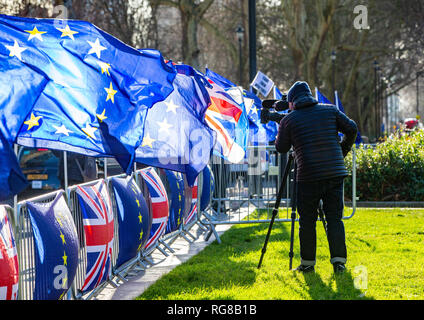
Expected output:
(32, 122)
(89, 131)
(62, 237)
(141, 234)
(110, 93)
(104, 66)
(64, 281)
(67, 32)
(138, 202)
(65, 259)
(147, 141)
(140, 217)
(34, 33)
(101, 116)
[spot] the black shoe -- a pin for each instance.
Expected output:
(339, 267)
(305, 269)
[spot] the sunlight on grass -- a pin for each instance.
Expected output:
(385, 259)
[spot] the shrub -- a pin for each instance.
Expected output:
(392, 171)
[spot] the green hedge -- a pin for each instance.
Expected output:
(392, 171)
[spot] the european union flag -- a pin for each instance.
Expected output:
(98, 90)
(134, 218)
(340, 107)
(277, 93)
(174, 185)
(321, 98)
(261, 133)
(176, 135)
(56, 247)
(20, 87)
(12, 180)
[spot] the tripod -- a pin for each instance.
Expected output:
(290, 160)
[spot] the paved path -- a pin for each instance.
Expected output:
(140, 281)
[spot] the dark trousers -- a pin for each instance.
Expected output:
(308, 196)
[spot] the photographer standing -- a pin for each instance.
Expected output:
(312, 129)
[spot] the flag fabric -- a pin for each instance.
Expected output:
(188, 196)
(176, 135)
(338, 102)
(193, 206)
(98, 89)
(206, 190)
(98, 223)
(20, 86)
(220, 80)
(160, 204)
(134, 218)
(227, 116)
(259, 133)
(56, 246)
(9, 267)
(277, 93)
(174, 186)
(339, 105)
(12, 179)
(321, 98)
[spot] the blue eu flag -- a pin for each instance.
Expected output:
(321, 98)
(98, 89)
(56, 248)
(176, 135)
(20, 87)
(339, 105)
(134, 218)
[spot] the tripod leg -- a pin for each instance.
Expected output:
(321, 216)
(276, 207)
(293, 217)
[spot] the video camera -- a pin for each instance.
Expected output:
(279, 105)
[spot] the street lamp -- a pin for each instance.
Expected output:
(419, 73)
(375, 99)
(333, 63)
(240, 36)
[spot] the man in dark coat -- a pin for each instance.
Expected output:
(312, 129)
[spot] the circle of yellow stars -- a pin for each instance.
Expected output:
(35, 34)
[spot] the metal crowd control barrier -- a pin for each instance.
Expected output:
(253, 185)
(25, 245)
(24, 238)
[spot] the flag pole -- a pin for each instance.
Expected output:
(105, 168)
(15, 197)
(65, 170)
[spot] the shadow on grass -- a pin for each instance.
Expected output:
(345, 287)
(219, 266)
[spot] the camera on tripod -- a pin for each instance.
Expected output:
(278, 105)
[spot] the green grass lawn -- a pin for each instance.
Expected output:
(385, 261)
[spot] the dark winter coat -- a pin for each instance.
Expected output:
(312, 129)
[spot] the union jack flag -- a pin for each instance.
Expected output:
(160, 205)
(226, 117)
(193, 209)
(9, 268)
(98, 223)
